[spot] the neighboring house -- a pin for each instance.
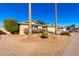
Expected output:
(77, 29)
(62, 29)
(36, 25)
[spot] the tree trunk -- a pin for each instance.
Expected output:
(30, 23)
(55, 18)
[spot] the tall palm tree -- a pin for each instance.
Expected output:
(30, 21)
(55, 18)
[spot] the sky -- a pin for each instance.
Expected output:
(67, 13)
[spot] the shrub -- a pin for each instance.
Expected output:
(26, 31)
(41, 30)
(11, 26)
(35, 31)
(65, 33)
(45, 34)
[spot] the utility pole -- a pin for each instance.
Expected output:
(55, 18)
(30, 23)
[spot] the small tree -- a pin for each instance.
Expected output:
(40, 22)
(11, 26)
(71, 27)
(45, 34)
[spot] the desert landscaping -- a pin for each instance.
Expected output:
(39, 37)
(20, 45)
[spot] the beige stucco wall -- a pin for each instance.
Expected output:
(21, 28)
(51, 29)
(40, 27)
(64, 29)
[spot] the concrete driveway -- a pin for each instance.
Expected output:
(73, 47)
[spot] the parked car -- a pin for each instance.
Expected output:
(71, 30)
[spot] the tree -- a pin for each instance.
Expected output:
(11, 26)
(55, 18)
(30, 21)
(40, 22)
(68, 27)
(71, 27)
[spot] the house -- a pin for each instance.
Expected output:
(62, 29)
(36, 25)
(77, 29)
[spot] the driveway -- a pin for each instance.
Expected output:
(73, 47)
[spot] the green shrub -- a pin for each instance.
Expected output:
(65, 33)
(35, 31)
(11, 26)
(41, 30)
(45, 34)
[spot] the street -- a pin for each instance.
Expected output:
(73, 48)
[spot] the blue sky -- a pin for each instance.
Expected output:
(67, 13)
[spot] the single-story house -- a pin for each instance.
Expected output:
(77, 29)
(62, 29)
(37, 25)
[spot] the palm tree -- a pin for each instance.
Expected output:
(55, 18)
(30, 21)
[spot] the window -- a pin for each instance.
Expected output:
(34, 26)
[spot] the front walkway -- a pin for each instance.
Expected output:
(73, 48)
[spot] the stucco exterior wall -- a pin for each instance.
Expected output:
(21, 28)
(50, 29)
(64, 29)
(40, 27)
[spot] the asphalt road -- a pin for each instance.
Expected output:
(73, 48)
